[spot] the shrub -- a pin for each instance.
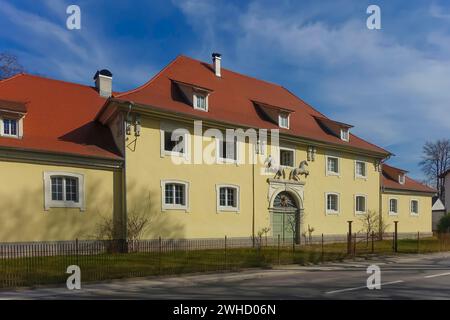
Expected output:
(444, 223)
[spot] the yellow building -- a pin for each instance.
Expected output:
(202, 151)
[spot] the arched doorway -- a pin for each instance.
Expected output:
(285, 217)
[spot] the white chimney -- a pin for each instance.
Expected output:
(103, 83)
(216, 63)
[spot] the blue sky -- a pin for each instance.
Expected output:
(393, 84)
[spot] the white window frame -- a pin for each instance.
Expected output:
(365, 204)
(19, 131)
(418, 207)
(49, 203)
(365, 169)
(286, 116)
(170, 206)
(219, 158)
(332, 173)
(293, 157)
(345, 135)
(194, 101)
(392, 213)
(186, 139)
(333, 212)
(227, 208)
(401, 178)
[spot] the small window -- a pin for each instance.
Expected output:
(64, 190)
(228, 149)
(283, 120)
(332, 204)
(175, 195)
(360, 204)
(360, 168)
(414, 207)
(200, 102)
(332, 166)
(228, 198)
(401, 179)
(393, 206)
(174, 143)
(345, 135)
(287, 157)
(10, 127)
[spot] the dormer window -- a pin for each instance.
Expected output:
(345, 135)
(283, 120)
(401, 179)
(200, 102)
(9, 127)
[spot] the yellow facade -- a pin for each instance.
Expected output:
(407, 221)
(22, 212)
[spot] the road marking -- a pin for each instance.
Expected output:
(363, 287)
(438, 275)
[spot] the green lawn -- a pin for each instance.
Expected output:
(51, 270)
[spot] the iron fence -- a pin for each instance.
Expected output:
(39, 263)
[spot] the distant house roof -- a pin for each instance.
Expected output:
(390, 181)
(437, 204)
(59, 117)
(233, 101)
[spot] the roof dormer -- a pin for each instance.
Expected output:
(339, 129)
(11, 118)
(278, 115)
(401, 178)
(195, 95)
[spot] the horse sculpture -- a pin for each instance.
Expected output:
(301, 170)
(279, 170)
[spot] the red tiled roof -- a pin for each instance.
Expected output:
(14, 106)
(59, 117)
(231, 101)
(390, 181)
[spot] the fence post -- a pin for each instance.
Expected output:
(226, 263)
(76, 250)
(395, 237)
(418, 241)
(349, 237)
(159, 255)
(373, 237)
(354, 245)
(322, 248)
(278, 251)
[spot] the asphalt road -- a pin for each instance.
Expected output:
(402, 277)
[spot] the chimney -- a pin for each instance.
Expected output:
(103, 83)
(216, 63)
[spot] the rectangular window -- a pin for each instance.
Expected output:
(345, 135)
(228, 198)
(333, 165)
(175, 194)
(332, 203)
(360, 204)
(360, 169)
(200, 102)
(57, 188)
(173, 142)
(10, 127)
(283, 120)
(414, 207)
(393, 206)
(287, 157)
(401, 179)
(64, 190)
(228, 149)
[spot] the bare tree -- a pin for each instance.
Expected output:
(9, 65)
(371, 221)
(435, 161)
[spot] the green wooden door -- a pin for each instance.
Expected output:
(285, 225)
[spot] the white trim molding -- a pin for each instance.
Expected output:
(332, 173)
(333, 212)
(358, 176)
(49, 203)
(167, 206)
(220, 208)
(355, 203)
(393, 213)
(166, 126)
(414, 214)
